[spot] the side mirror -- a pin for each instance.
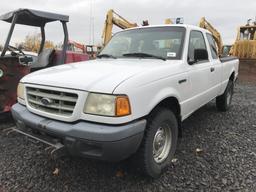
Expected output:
(199, 55)
(25, 60)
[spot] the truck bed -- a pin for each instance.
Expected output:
(227, 58)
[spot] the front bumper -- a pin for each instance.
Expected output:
(105, 142)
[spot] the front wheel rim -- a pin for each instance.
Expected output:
(162, 143)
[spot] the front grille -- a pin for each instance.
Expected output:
(60, 103)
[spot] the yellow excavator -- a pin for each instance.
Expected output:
(216, 35)
(113, 18)
(245, 45)
(168, 21)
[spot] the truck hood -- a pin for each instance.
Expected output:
(102, 75)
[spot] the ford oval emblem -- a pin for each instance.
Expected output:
(46, 101)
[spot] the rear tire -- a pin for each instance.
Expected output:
(159, 143)
(223, 102)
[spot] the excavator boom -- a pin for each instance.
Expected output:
(113, 18)
(216, 35)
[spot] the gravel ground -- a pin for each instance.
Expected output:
(216, 153)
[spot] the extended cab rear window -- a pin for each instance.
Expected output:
(166, 42)
(213, 46)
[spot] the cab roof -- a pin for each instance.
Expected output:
(33, 17)
(192, 27)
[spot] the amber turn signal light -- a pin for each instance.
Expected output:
(122, 106)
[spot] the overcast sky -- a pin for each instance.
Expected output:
(225, 15)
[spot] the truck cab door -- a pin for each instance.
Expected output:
(199, 73)
(215, 77)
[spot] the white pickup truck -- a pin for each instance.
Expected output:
(132, 99)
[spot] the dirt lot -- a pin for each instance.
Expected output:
(227, 161)
(247, 70)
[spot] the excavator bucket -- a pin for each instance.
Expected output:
(245, 49)
(245, 44)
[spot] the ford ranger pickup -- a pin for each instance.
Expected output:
(131, 101)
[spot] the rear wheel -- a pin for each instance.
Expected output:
(159, 143)
(223, 102)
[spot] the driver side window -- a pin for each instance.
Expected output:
(196, 41)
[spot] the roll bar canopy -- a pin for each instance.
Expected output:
(33, 17)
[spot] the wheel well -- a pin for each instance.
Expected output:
(232, 76)
(171, 103)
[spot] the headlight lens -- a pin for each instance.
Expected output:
(100, 104)
(21, 91)
(107, 105)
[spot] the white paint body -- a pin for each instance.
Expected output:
(146, 82)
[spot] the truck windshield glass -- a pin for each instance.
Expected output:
(156, 42)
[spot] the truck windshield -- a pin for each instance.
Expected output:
(154, 42)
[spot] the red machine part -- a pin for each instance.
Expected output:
(71, 57)
(77, 45)
(13, 72)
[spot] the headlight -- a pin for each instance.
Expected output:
(107, 105)
(21, 91)
(1, 73)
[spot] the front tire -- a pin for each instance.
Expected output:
(223, 102)
(159, 142)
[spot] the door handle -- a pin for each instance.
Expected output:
(212, 69)
(182, 81)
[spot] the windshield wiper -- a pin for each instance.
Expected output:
(106, 55)
(143, 55)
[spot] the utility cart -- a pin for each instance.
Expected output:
(16, 63)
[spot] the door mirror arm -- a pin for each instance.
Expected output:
(191, 61)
